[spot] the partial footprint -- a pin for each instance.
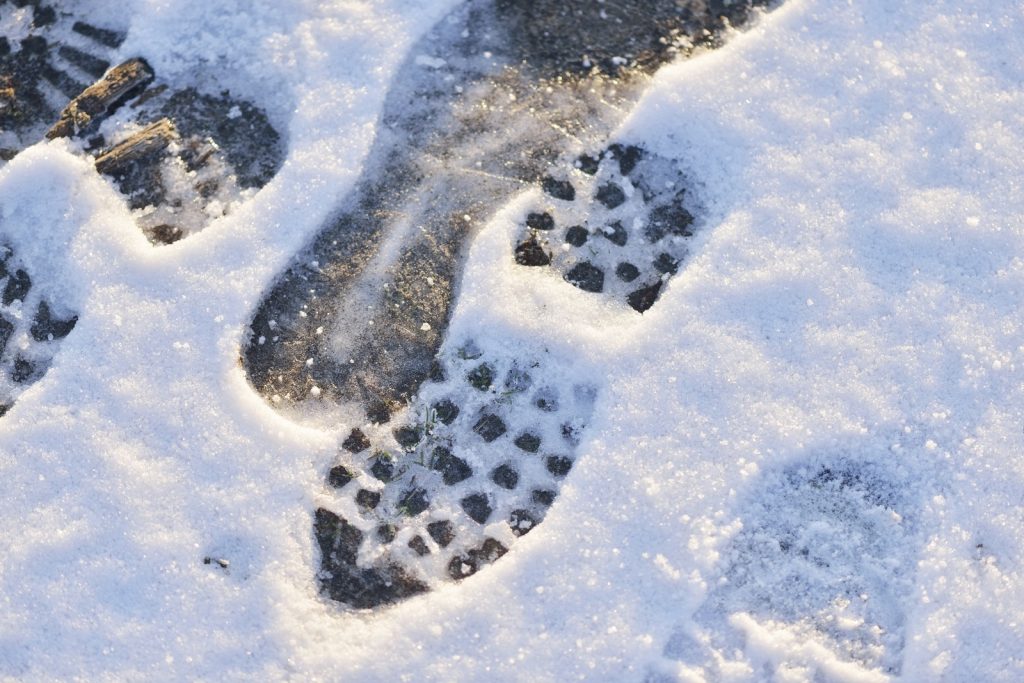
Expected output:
(31, 329)
(183, 157)
(478, 458)
(825, 561)
(487, 102)
(48, 55)
(180, 155)
(612, 223)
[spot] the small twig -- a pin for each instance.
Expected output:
(152, 139)
(100, 98)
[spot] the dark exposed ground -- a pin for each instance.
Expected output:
(38, 75)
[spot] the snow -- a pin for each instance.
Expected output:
(851, 306)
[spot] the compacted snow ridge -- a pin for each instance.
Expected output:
(801, 462)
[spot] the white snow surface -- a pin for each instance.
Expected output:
(853, 302)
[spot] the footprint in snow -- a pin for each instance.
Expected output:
(824, 563)
(464, 447)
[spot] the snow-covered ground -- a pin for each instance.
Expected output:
(805, 463)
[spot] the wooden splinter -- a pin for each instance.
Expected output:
(150, 140)
(100, 98)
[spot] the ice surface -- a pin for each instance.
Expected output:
(852, 305)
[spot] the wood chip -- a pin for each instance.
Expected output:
(152, 139)
(100, 98)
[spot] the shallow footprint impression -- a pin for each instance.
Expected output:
(463, 448)
(825, 564)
